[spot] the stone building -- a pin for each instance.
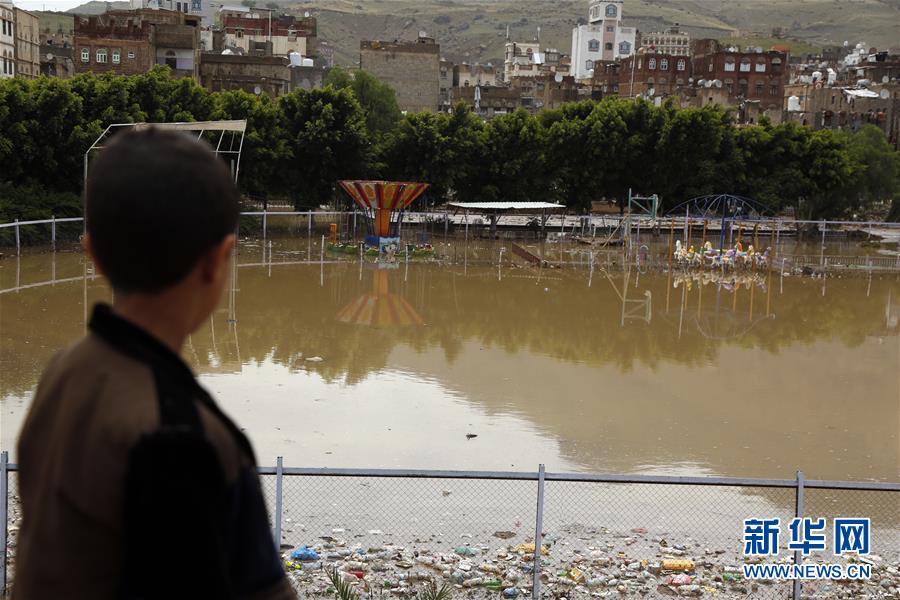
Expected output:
(28, 45)
(445, 84)
(131, 42)
(269, 75)
(57, 37)
(285, 33)
(653, 74)
(7, 39)
(492, 101)
(603, 38)
(411, 68)
(749, 75)
(527, 59)
(672, 41)
(548, 90)
(466, 74)
(845, 107)
(200, 8)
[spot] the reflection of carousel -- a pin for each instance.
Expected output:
(383, 203)
(379, 307)
(710, 318)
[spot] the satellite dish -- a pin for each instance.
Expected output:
(717, 83)
(306, 14)
(885, 79)
(558, 78)
(701, 82)
(49, 57)
(257, 90)
(884, 94)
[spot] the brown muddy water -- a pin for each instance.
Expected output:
(346, 364)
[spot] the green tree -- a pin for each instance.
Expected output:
(877, 165)
(326, 141)
(377, 99)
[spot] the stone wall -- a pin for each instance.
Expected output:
(411, 68)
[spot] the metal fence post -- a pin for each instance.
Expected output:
(17, 238)
(264, 224)
(279, 476)
(4, 490)
(538, 536)
(53, 232)
(798, 512)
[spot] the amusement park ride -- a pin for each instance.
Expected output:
(383, 204)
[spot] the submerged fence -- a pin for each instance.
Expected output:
(602, 534)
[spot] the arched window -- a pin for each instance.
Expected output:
(679, 81)
(729, 63)
(761, 66)
(664, 64)
(651, 64)
(759, 87)
(116, 56)
(170, 59)
(624, 48)
(101, 55)
(589, 65)
(594, 46)
(85, 55)
(680, 64)
(745, 65)
(611, 10)
(662, 81)
(608, 45)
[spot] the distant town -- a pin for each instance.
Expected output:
(266, 52)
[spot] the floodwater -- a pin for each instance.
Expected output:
(348, 364)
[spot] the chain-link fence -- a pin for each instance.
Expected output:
(392, 532)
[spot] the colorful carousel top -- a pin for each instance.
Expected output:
(379, 199)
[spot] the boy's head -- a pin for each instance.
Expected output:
(161, 211)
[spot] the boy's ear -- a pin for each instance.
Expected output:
(213, 265)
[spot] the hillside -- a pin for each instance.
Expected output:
(95, 7)
(476, 29)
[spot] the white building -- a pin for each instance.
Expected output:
(672, 41)
(203, 8)
(602, 39)
(7, 39)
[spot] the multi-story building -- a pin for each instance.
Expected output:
(648, 75)
(131, 42)
(445, 84)
(411, 68)
(7, 39)
(672, 41)
(526, 59)
(603, 38)
(269, 75)
(745, 76)
(548, 90)
(466, 74)
(247, 30)
(200, 8)
(28, 44)
(488, 101)
(57, 36)
(845, 107)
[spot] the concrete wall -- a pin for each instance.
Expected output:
(411, 68)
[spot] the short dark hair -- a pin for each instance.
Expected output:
(155, 202)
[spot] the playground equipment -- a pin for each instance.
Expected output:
(383, 203)
(380, 307)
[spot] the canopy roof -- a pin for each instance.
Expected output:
(505, 206)
(391, 195)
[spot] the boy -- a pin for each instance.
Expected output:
(133, 483)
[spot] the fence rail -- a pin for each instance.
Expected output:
(553, 510)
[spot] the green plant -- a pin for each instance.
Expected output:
(433, 592)
(342, 589)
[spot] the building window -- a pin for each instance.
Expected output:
(171, 60)
(589, 65)
(759, 88)
(101, 56)
(85, 55)
(608, 45)
(729, 64)
(679, 81)
(680, 64)
(729, 85)
(130, 55)
(116, 56)
(610, 28)
(651, 64)
(594, 46)
(624, 48)
(650, 81)
(664, 64)
(745, 65)
(239, 33)
(761, 67)
(611, 10)
(662, 81)
(773, 90)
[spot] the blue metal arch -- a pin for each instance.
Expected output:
(721, 206)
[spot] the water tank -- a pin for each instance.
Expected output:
(832, 76)
(863, 83)
(227, 52)
(817, 75)
(296, 59)
(307, 62)
(794, 103)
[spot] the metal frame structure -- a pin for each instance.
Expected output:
(799, 484)
(223, 127)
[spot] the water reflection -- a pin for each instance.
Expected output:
(587, 368)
